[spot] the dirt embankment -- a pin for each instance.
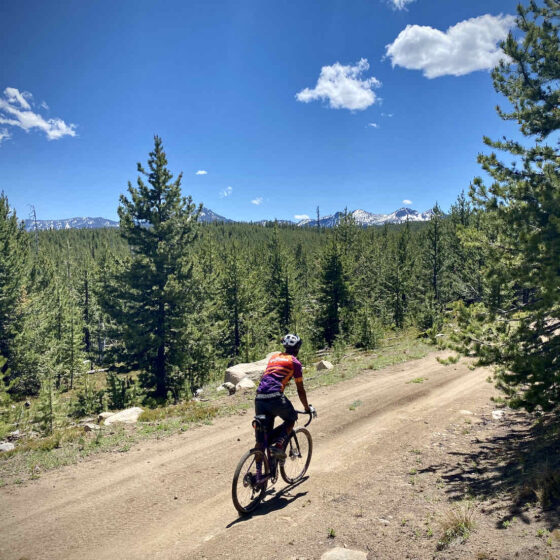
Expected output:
(390, 458)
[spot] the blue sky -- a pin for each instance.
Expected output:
(285, 105)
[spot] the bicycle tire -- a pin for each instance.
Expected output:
(299, 449)
(246, 497)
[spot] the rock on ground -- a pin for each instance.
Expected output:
(104, 416)
(339, 553)
(245, 383)
(252, 370)
(127, 416)
(323, 364)
(7, 446)
(91, 427)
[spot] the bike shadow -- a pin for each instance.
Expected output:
(274, 501)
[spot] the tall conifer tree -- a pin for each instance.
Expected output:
(160, 226)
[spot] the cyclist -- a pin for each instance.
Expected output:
(270, 399)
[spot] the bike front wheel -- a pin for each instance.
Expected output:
(298, 455)
(246, 491)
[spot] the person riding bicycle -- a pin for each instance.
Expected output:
(270, 399)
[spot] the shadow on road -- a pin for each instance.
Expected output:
(514, 470)
(274, 501)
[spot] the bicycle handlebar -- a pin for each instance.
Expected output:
(312, 414)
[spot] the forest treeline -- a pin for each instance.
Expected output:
(179, 301)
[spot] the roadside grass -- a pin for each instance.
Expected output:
(71, 444)
(457, 523)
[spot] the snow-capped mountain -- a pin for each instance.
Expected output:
(364, 218)
(207, 216)
(71, 223)
(361, 217)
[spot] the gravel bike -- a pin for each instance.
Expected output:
(258, 466)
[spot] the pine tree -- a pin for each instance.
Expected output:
(518, 328)
(160, 226)
(332, 297)
(14, 248)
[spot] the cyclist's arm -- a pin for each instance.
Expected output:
(302, 394)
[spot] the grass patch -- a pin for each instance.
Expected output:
(355, 405)
(449, 360)
(417, 380)
(190, 411)
(457, 523)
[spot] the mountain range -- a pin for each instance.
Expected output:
(361, 217)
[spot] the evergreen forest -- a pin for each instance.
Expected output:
(164, 304)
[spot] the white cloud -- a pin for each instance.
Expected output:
(15, 110)
(201, 172)
(301, 217)
(342, 87)
(257, 201)
(400, 4)
(4, 134)
(389, 115)
(373, 125)
(226, 192)
(406, 201)
(468, 46)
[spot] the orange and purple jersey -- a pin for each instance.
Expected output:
(280, 369)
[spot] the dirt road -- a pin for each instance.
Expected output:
(171, 498)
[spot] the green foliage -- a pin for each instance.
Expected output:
(154, 295)
(517, 324)
(121, 391)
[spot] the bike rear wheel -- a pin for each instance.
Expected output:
(298, 455)
(245, 491)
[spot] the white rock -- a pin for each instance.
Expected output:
(384, 521)
(230, 387)
(253, 370)
(14, 435)
(497, 414)
(323, 364)
(127, 416)
(220, 388)
(339, 553)
(245, 383)
(465, 412)
(104, 416)
(7, 446)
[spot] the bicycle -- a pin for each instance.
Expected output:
(258, 467)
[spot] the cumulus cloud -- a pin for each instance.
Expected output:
(257, 201)
(16, 111)
(400, 4)
(226, 192)
(406, 201)
(301, 217)
(4, 134)
(343, 87)
(468, 46)
(201, 172)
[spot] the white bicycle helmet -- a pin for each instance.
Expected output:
(291, 341)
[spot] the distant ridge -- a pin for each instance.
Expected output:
(364, 218)
(206, 216)
(361, 217)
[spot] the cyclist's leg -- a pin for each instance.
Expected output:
(285, 410)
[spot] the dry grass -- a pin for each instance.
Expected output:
(457, 523)
(190, 411)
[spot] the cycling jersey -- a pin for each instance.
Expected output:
(280, 369)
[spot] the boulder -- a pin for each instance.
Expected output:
(340, 553)
(104, 416)
(323, 364)
(230, 387)
(15, 435)
(127, 416)
(253, 370)
(245, 383)
(6, 446)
